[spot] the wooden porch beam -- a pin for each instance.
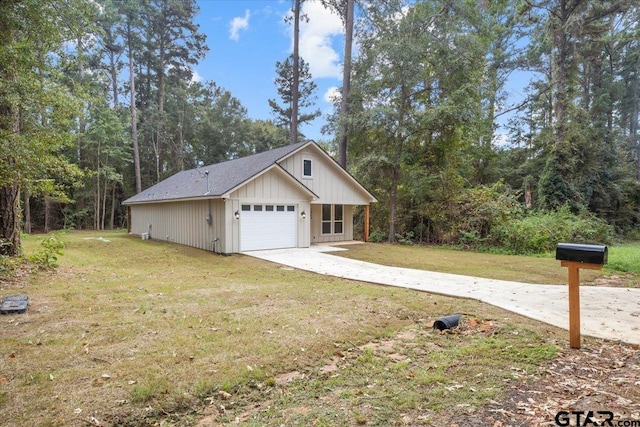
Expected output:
(366, 224)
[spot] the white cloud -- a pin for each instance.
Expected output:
(238, 24)
(196, 77)
(332, 95)
(316, 40)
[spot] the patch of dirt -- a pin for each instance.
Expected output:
(614, 281)
(384, 347)
(333, 366)
(287, 377)
(603, 377)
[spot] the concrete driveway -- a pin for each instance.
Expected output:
(611, 313)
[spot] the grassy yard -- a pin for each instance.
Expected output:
(623, 268)
(130, 332)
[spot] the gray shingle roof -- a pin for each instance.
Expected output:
(223, 177)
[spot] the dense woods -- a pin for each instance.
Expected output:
(97, 101)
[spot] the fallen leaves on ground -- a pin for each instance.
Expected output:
(603, 376)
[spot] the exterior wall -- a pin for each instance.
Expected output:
(316, 226)
(182, 222)
(271, 185)
(269, 188)
(327, 180)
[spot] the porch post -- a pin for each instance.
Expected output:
(366, 224)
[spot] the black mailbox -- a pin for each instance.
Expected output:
(592, 254)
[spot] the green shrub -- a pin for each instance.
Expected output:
(378, 235)
(540, 232)
(479, 209)
(7, 266)
(405, 239)
(47, 257)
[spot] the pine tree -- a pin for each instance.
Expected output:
(285, 83)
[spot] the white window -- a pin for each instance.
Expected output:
(307, 168)
(337, 219)
(332, 219)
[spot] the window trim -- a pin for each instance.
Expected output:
(337, 220)
(304, 175)
(332, 220)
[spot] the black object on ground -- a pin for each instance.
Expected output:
(447, 322)
(14, 304)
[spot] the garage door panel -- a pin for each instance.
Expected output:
(268, 229)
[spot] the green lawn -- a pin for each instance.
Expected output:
(623, 268)
(131, 332)
(624, 258)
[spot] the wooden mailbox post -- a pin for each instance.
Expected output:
(574, 257)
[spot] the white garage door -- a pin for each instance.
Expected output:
(265, 226)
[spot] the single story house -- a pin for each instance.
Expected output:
(287, 197)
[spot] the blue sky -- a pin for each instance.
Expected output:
(247, 37)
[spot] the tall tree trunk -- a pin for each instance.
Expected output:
(96, 206)
(113, 205)
(82, 123)
(10, 244)
(346, 84)
(27, 210)
(47, 213)
(114, 79)
(160, 124)
(134, 118)
(393, 202)
(181, 144)
(104, 205)
(556, 185)
(635, 118)
(163, 47)
(561, 68)
(296, 72)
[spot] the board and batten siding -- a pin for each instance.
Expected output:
(316, 226)
(272, 187)
(183, 222)
(327, 180)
